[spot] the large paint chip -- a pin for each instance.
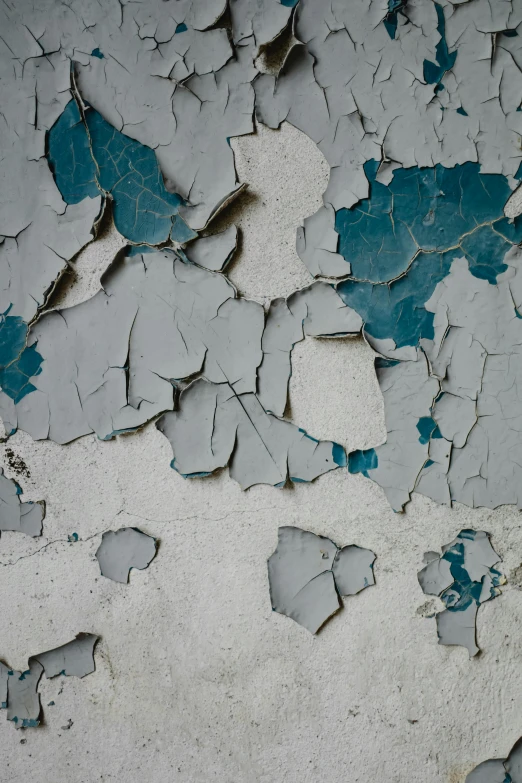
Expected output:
(308, 573)
(123, 549)
(74, 659)
(215, 426)
(17, 516)
(464, 577)
(19, 690)
(215, 251)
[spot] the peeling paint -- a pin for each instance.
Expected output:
(19, 690)
(308, 575)
(464, 577)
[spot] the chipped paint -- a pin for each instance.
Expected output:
(308, 574)
(464, 577)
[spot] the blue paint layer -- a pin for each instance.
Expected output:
(462, 111)
(433, 209)
(427, 429)
(361, 461)
(70, 158)
(427, 208)
(289, 3)
(390, 21)
(434, 72)
(103, 160)
(96, 53)
(15, 379)
(464, 591)
(339, 455)
(129, 171)
(181, 28)
(17, 363)
(180, 232)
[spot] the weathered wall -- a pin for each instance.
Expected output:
(196, 678)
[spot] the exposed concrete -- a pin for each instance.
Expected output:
(197, 679)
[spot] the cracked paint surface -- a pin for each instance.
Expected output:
(19, 690)
(14, 514)
(126, 109)
(308, 575)
(414, 106)
(464, 576)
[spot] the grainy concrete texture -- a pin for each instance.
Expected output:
(196, 678)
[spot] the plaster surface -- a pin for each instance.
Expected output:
(196, 678)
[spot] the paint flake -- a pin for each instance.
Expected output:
(19, 690)
(464, 576)
(308, 575)
(124, 549)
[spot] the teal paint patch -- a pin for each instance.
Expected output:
(73, 538)
(426, 208)
(361, 461)
(88, 157)
(431, 209)
(15, 379)
(397, 310)
(429, 463)
(18, 364)
(181, 28)
(510, 33)
(518, 175)
(180, 232)
(484, 250)
(96, 53)
(428, 429)
(138, 250)
(13, 335)
(69, 156)
(129, 171)
(289, 3)
(462, 111)
(464, 591)
(339, 455)
(434, 72)
(391, 21)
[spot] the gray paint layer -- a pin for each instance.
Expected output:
(19, 690)
(14, 515)
(308, 574)
(464, 576)
(123, 549)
